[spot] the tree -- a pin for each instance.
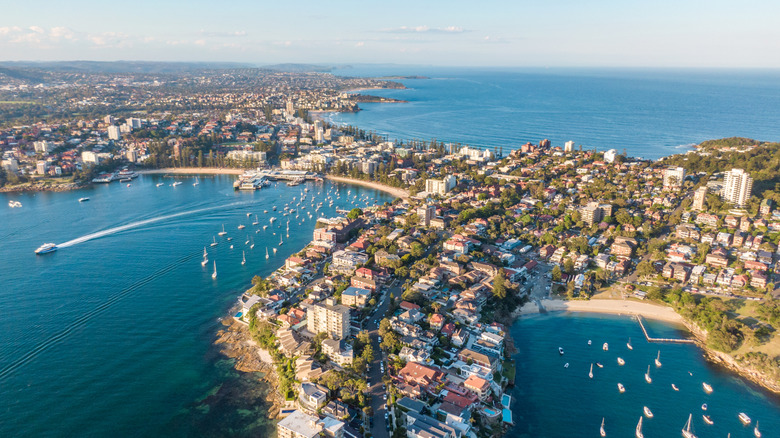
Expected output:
(417, 250)
(556, 273)
(499, 286)
(645, 268)
(354, 213)
(568, 266)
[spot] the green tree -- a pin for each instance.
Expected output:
(499, 284)
(556, 273)
(354, 213)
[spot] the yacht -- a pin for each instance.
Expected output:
(628, 344)
(686, 430)
(560, 351)
(648, 379)
(160, 184)
(601, 430)
(243, 257)
(605, 347)
(205, 257)
(83, 199)
(756, 432)
(256, 221)
(196, 182)
(223, 232)
(620, 361)
(46, 248)
(707, 387)
(214, 243)
(214, 275)
(266, 253)
(621, 388)
(658, 359)
(648, 412)
(743, 417)
(590, 374)
(675, 387)
(707, 419)
(639, 433)
(241, 226)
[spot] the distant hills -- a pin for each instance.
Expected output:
(149, 67)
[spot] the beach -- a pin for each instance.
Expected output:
(394, 191)
(616, 307)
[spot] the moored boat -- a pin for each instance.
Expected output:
(605, 347)
(707, 387)
(707, 419)
(648, 379)
(628, 344)
(560, 351)
(658, 359)
(639, 433)
(686, 430)
(648, 412)
(675, 387)
(756, 432)
(214, 275)
(590, 374)
(621, 388)
(223, 232)
(85, 199)
(601, 430)
(620, 361)
(743, 417)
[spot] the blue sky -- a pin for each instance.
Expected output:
(553, 33)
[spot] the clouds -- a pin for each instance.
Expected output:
(426, 29)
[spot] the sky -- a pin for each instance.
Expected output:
(513, 33)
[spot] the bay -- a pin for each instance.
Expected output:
(112, 334)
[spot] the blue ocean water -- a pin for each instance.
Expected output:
(649, 113)
(552, 401)
(112, 334)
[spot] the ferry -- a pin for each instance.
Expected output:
(126, 174)
(104, 178)
(743, 417)
(46, 248)
(83, 199)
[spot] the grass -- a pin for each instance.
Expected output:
(509, 370)
(16, 102)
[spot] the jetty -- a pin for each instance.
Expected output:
(668, 340)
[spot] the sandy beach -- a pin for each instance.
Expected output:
(616, 307)
(194, 171)
(395, 191)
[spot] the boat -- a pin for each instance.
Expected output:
(247, 240)
(274, 208)
(129, 185)
(160, 184)
(214, 275)
(280, 240)
(686, 430)
(248, 214)
(707, 419)
(265, 227)
(601, 430)
(229, 238)
(205, 257)
(176, 183)
(243, 257)
(256, 221)
(46, 248)
(274, 250)
(590, 374)
(704, 407)
(648, 379)
(621, 388)
(599, 365)
(123, 180)
(266, 253)
(707, 387)
(271, 221)
(620, 361)
(589, 342)
(743, 417)
(214, 243)
(560, 351)
(648, 412)
(639, 433)
(231, 246)
(675, 387)
(196, 182)
(566, 365)
(628, 344)
(83, 199)
(658, 359)
(605, 347)
(756, 432)
(252, 245)
(223, 232)
(241, 226)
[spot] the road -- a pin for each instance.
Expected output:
(378, 404)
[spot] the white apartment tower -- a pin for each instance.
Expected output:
(114, 133)
(568, 146)
(329, 318)
(673, 177)
(737, 186)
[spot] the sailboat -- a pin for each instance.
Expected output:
(241, 226)
(639, 433)
(280, 240)
(223, 232)
(757, 432)
(243, 258)
(628, 344)
(648, 379)
(196, 181)
(205, 257)
(590, 374)
(252, 245)
(601, 430)
(256, 221)
(214, 275)
(247, 240)
(214, 243)
(686, 431)
(658, 359)
(274, 251)
(266, 253)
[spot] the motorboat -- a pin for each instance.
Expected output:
(560, 351)
(707, 387)
(620, 361)
(707, 419)
(46, 248)
(621, 388)
(83, 199)
(648, 412)
(743, 417)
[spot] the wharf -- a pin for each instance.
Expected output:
(669, 340)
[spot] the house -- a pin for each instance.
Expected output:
(436, 321)
(311, 396)
(478, 386)
(364, 283)
(338, 351)
(420, 375)
(423, 426)
(490, 364)
(405, 305)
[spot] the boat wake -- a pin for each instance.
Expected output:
(141, 223)
(89, 316)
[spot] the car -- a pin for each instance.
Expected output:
(384, 396)
(380, 338)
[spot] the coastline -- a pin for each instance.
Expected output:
(193, 171)
(394, 191)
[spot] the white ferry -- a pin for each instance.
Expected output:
(46, 248)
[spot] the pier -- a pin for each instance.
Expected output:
(669, 340)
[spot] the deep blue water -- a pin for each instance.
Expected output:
(649, 113)
(112, 334)
(552, 401)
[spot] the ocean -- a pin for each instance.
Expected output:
(647, 113)
(112, 334)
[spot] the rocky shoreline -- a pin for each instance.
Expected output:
(42, 187)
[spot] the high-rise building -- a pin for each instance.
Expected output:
(290, 108)
(89, 157)
(699, 196)
(108, 120)
(610, 155)
(737, 186)
(329, 318)
(426, 213)
(441, 186)
(43, 147)
(568, 146)
(592, 213)
(114, 133)
(673, 177)
(301, 425)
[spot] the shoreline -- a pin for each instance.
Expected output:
(192, 171)
(393, 191)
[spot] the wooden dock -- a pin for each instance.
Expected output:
(669, 340)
